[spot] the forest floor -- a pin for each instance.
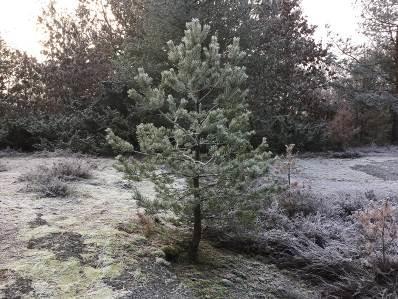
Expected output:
(93, 243)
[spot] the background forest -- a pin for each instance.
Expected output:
(317, 96)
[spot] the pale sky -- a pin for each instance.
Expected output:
(18, 20)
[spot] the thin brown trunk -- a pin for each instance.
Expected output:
(197, 209)
(197, 226)
(394, 127)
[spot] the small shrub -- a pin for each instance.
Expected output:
(319, 240)
(380, 230)
(46, 185)
(147, 223)
(53, 181)
(287, 163)
(70, 170)
(54, 188)
(295, 202)
(349, 205)
(3, 167)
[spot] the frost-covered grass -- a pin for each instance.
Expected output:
(100, 244)
(329, 244)
(3, 167)
(52, 181)
(323, 242)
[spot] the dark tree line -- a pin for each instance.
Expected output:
(92, 55)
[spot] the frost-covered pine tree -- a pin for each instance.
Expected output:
(202, 163)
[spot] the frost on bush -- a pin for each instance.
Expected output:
(379, 226)
(53, 181)
(294, 202)
(50, 187)
(348, 205)
(326, 240)
(319, 241)
(69, 170)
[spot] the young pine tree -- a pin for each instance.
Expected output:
(202, 163)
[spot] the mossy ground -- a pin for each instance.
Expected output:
(93, 245)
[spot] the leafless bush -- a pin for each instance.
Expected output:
(285, 165)
(48, 187)
(327, 241)
(294, 202)
(347, 205)
(379, 226)
(69, 170)
(53, 181)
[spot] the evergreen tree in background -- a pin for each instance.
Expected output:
(207, 141)
(21, 88)
(287, 67)
(380, 25)
(369, 79)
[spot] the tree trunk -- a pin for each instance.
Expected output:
(197, 209)
(394, 129)
(197, 227)
(394, 114)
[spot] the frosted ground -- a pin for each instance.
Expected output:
(375, 170)
(90, 245)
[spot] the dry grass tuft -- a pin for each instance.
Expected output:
(147, 223)
(53, 181)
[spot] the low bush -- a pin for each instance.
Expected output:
(379, 228)
(79, 129)
(325, 242)
(53, 181)
(49, 187)
(296, 202)
(70, 170)
(347, 206)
